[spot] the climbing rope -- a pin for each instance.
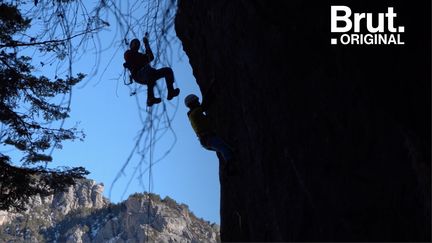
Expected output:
(156, 120)
(150, 113)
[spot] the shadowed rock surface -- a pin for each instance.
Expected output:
(332, 141)
(83, 215)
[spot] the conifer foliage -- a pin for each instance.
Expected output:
(28, 109)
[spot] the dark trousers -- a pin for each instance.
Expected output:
(149, 76)
(215, 143)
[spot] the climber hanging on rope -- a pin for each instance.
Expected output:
(201, 126)
(143, 73)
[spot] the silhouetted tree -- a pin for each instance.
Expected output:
(27, 109)
(31, 106)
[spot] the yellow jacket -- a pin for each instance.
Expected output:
(199, 121)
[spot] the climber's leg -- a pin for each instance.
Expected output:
(217, 144)
(150, 94)
(144, 75)
(168, 74)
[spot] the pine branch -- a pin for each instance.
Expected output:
(19, 44)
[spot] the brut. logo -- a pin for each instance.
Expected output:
(380, 30)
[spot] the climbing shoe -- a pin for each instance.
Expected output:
(173, 93)
(152, 101)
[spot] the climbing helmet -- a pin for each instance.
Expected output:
(190, 99)
(134, 44)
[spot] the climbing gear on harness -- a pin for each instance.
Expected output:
(190, 99)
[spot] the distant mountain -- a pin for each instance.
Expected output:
(82, 214)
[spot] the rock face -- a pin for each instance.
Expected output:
(82, 214)
(332, 141)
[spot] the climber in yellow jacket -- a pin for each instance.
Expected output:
(201, 125)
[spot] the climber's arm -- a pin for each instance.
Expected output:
(148, 52)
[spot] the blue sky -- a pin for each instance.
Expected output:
(110, 118)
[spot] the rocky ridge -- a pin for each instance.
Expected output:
(82, 214)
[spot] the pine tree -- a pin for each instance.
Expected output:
(26, 112)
